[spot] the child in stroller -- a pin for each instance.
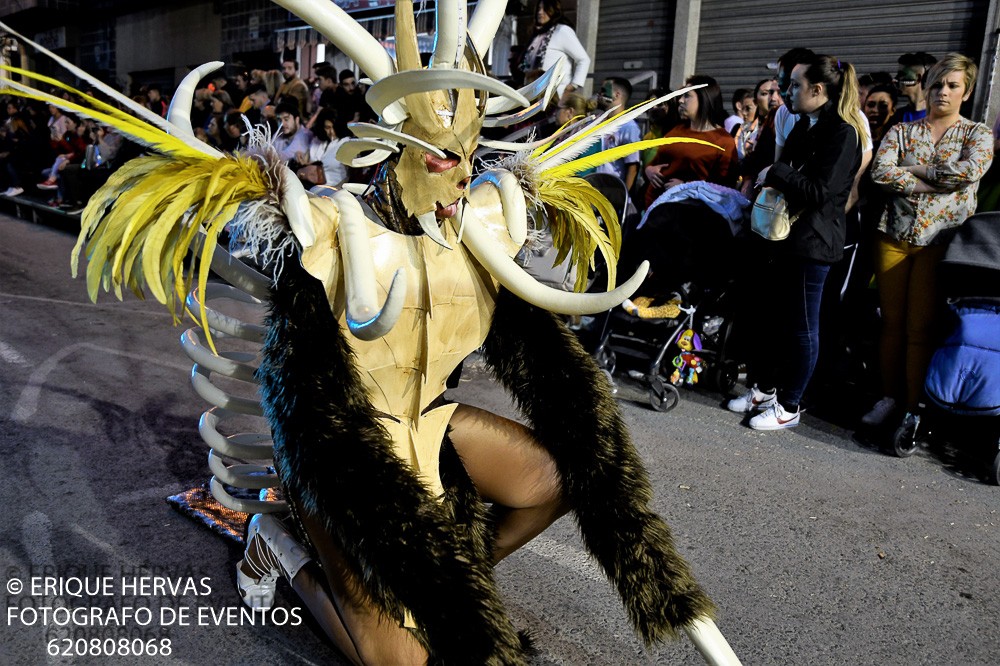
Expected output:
(963, 380)
(690, 236)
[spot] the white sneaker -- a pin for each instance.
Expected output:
(752, 401)
(774, 418)
(13, 191)
(880, 412)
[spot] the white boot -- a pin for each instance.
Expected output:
(271, 552)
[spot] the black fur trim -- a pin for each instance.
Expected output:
(337, 462)
(566, 399)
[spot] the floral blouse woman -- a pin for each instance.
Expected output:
(932, 167)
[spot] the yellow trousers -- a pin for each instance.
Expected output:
(911, 315)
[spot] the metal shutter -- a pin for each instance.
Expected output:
(739, 39)
(634, 31)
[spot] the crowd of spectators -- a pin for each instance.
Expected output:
(764, 135)
(61, 159)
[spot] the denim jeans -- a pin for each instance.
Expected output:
(785, 356)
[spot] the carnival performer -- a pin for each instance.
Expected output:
(389, 542)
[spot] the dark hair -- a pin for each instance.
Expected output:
(326, 72)
(291, 108)
(291, 60)
(346, 74)
(795, 56)
(339, 125)
(624, 86)
(710, 104)
(554, 9)
(891, 91)
(918, 59)
(756, 88)
(233, 117)
(741, 94)
(255, 88)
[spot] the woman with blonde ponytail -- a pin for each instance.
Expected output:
(815, 173)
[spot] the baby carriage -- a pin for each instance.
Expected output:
(693, 248)
(963, 380)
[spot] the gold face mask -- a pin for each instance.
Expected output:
(454, 128)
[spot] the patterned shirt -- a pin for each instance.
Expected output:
(957, 162)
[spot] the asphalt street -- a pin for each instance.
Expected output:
(815, 548)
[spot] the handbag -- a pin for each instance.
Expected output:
(770, 217)
(312, 173)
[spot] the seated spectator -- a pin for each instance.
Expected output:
(58, 124)
(155, 101)
(329, 133)
(69, 150)
(348, 98)
(293, 89)
(701, 113)
(932, 169)
(261, 108)
(293, 138)
(234, 135)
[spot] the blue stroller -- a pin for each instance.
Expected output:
(963, 380)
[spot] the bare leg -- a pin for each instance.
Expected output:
(508, 467)
(346, 614)
(512, 470)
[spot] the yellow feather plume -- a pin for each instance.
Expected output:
(140, 226)
(612, 154)
(139, 130)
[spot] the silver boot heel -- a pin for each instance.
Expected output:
(271, 552)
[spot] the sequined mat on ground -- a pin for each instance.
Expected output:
(199, 504)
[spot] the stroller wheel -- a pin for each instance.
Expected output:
(904, 440)
(725, 376)
(663, 396)
(606, 359)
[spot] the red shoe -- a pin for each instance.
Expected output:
(49, 184)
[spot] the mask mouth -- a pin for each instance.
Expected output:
(450, 210)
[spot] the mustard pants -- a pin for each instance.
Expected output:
(911, 315)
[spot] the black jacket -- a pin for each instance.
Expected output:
(815, 173)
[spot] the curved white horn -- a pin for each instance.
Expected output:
(449, 37)
(545, 84)
(364, 318)
(514, 118)
(372, 131)
(179, 113)
(350, 149)
(711, 643)
(515, 209)
(295, 206)
(346, 33)
(513, 277)
(429, 223)
(484, 23)
(397, 86)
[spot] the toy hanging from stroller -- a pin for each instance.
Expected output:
(690, 236)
